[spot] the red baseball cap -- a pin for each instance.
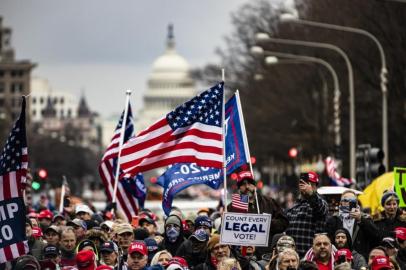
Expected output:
(245, 175)
(37, 232)
(179, 261)
(45, 214)
(310, 176)
(86, 260)
(344, 251)
(400, 233)
(138, 246)
(380, 262)
(104, 267)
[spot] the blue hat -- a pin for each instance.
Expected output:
(200, 235)
(389, 195)
(109, 246)
(203, 221)
(152, 247)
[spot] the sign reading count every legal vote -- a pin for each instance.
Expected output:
(245, 229)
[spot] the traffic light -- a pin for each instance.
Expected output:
(369, 164)
(38, 179)
(376, 167)
(293, 152)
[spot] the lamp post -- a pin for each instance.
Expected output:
(265, 38)
(272, 59)
(286, 17)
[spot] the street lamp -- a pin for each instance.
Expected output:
(272, 60)
(287, 17)
(265, 38)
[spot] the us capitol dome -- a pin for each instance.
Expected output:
(169, 85)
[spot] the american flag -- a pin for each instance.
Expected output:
(239, 201)
(13, 172)
(331, 169)
(192, 133)
(126, 202)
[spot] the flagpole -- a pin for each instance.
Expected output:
(224, 142)
(120, 145)
(245, 141)
(61, 202)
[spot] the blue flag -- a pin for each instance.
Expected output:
(136, 186)
(183, 175)
(236, 150)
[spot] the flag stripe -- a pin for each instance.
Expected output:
(159, 124)
(108, 181)
(179, 159)
(190, 143)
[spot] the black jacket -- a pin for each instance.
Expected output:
(279, 221)
(172, 247)
(364, 234)
(193, 259)
(386, 226)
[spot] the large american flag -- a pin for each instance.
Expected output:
(190, 133)
(126, 202)
(240, 201)
(13, 172)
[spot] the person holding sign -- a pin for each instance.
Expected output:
(308, 215)
(279, 223)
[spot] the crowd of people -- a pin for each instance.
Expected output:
(305, 236)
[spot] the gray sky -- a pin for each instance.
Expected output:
(106, 47)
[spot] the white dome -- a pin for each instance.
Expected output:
(171, 61)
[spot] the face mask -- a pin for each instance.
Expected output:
(344, 209)
(172, 234)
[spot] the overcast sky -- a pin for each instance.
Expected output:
(105, 47)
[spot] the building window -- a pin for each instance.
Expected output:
(62, 114)
(41, 100)
(17, 87)
(62, 100)
(2, 73)
(55, 100)
(34, 100)
(1, 102)
(34, 112)
(69, 113)
(2, 87)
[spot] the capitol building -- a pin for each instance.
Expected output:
(169, 85)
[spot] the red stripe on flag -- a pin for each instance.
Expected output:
(6, 186)
(155, 126)
(180, 159)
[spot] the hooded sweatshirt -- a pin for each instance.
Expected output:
(358, 260)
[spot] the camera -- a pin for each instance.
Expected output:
(304, 177)
(353, 204)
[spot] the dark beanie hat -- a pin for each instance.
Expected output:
(389, 195)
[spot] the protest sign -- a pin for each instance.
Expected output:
(245, 229)
(400, 185)
(183, 175)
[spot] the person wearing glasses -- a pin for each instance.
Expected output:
(360, 226)
(308, 215)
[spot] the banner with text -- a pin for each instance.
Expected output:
(183, 175)
(236, 150)
(400, 185)
(245, 229)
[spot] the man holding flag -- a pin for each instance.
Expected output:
(246, 187)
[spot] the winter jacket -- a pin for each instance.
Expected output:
(185, 251)
(36, 247)
(306, 218)
(364, 234)
(279, 221)
(386, 226)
